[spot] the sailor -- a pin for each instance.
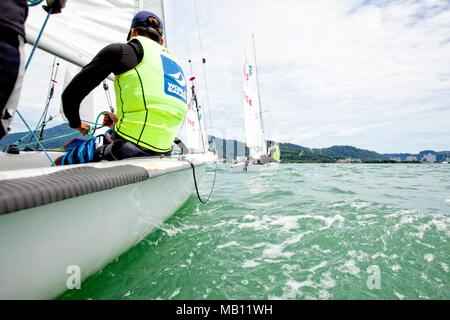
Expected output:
(12, 38)
(273, 154)
(150, 88)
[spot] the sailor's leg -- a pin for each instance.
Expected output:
(12, 71)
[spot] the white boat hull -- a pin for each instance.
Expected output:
(240, 167)
(38, 246)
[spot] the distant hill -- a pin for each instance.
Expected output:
(342, 152)
(229, 148)
(53, 132)
(440, 155)
(295, 153)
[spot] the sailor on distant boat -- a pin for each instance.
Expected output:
(273, 156)
(151, 95)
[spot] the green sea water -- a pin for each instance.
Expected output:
(309, 231)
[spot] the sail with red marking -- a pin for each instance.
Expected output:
(254, 128)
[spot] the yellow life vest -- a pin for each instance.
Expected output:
(275, 151)
(151, 99)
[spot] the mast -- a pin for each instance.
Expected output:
(164, 20)
(261, 121)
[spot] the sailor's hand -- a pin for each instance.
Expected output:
(109, 119)
(84, 128)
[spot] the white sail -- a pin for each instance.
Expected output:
(192, 132)
(84, 27)
(80, 31)
(254, 130)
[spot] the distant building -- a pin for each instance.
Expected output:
(431, 158)
(397, 159)
(411, 158)
(349, 160)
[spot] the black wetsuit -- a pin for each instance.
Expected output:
(116, 59)
(13, 14)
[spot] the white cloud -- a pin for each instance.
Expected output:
(373, 74)
(332, 71)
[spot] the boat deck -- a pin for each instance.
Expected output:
(32, 187)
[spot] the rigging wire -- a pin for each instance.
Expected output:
(51, 90)
(195, 100)
(203, 61)
(50, 10)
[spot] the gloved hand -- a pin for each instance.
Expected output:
(56, 5)
(109, 119)
(84, 128)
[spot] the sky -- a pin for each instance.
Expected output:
(371, 74)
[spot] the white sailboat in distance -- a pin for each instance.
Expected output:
(59, 221)
(262, 155)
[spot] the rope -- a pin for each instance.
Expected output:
(33, 3)
(36, 138)
(196, 185)
(51, 139)
(49, 13)
(96, 126)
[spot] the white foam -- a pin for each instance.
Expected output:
(360, 205)
(127, 294)
(257, 224)
(228, 245)
(292, 288)
(444, 266)
(327, 282)
(317, 267)
(287, 222)
(250, 264)
(349, 267)
(378, 255)
(428, 257)
(366, 216)
(249, 217)
(399, 295)
(318, 248)
(276, 251)
(330, 220)
(358, 255)
(175, 293)
(324, 295)
(396, 267)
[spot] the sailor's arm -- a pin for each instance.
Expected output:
(87, 80)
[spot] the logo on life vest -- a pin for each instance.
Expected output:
(174, 80)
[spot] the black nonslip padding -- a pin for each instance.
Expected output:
(25, 193)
